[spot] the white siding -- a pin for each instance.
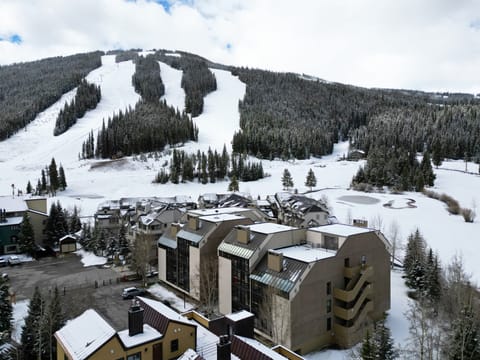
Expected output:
(162, 264)
(194, 269)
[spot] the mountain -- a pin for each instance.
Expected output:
(280, 120)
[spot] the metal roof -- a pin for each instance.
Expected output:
(236, 250)
(189, 236)
(166, 241)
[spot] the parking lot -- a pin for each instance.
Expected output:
(80, 287)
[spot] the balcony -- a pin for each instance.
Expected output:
(354, 287)
(349, 314)
(349, 335)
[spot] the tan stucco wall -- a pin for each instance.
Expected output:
(224, 285)
(37, 204)
(37, 221)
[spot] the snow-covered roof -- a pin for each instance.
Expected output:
(85, 334)
(149, 334)
(164, 310)
(16, 220)
(341, 229)
(239, 315)
(13, 204)
(221, 217)
(306, 253)
(226, 210)
(270, 228)
(273, 355)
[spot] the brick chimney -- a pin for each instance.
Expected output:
(224, 348)
(135, 319)
(243, 234)
(174, 229)
(193, 222)
(275, 260)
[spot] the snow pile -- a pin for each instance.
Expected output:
(90, 259)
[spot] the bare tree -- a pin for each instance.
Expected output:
(209, 283)
(349, 218)
(395, 238)
(274, 315)
(377, 223)
(141, 256)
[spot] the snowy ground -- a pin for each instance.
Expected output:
(23, 156)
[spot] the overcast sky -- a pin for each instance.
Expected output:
(414, 44)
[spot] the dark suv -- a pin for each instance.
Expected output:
(131, 292)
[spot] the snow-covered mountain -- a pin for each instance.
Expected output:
(90, 182)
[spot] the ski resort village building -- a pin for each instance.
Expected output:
(12, 211)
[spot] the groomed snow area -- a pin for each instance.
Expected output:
(24, 155)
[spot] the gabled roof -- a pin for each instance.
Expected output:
(85, 334)
(148, 334)
(246, 348)
(158, 315)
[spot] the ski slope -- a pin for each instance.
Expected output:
(93, 181)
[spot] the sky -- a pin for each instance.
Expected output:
(431, 45)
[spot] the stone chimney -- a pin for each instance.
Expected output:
(193, 222)
(174, 229)
(135, 319)
(224, 348)
(243, 234)
(275, 260)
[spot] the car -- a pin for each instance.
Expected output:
(14, 260)
(131, 292)
(3, 262)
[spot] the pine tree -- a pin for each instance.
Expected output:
(26, 238)
(75, 224)
(233, 186)
(61, 178)
(465, 343)
(433, 286)
(53, 174)
(44, 182)
(29, 187)
(414, 261)
(31, 331)
(54, 321)
(385, 348)
(6, 309)
(426, 169)
(368, 351)
(311, 180)
(287, 180)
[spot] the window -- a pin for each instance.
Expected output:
(136, 356)
(174, 345)
(330, 242)
(329, 324)
(329, 306)
(329, 288)
(347, 262)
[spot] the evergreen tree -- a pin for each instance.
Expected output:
(287, 180)
(426, 168)
(233, 186)
(368, 351)
(44, 183)
(31, 331)
(414, 261)
(54, 321)
(29, 187)
(385, 348)
(26, 238)
(53, 174)
(311, 180)
(6, 309)
(433, 286)
(75, 224)
(436, 153)
(61, 178)
(465, 343)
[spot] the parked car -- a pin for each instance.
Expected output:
(14, 260)
(3, 262)
(131, 292)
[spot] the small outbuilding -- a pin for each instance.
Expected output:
(68, 244)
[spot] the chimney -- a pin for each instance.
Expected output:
(275, 260)
(243, 234)
(224, 348)
(174, 229)
(193, 222)
(135, 319)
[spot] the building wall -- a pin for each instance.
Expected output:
(224, 285)
(162, 264)
(186, 335)
(309, 310)
(194, 268)
(38, 222)
(37, 204)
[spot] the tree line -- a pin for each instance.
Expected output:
(209, 167)
(396, 168)
(197, 79)
(146, 80)
(52, 179)
(87, 97)
(146, 128)
(26, 89)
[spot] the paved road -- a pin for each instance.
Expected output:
(80, 287)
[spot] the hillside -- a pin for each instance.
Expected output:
(24, 154)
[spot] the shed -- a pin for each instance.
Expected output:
(68, 244)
